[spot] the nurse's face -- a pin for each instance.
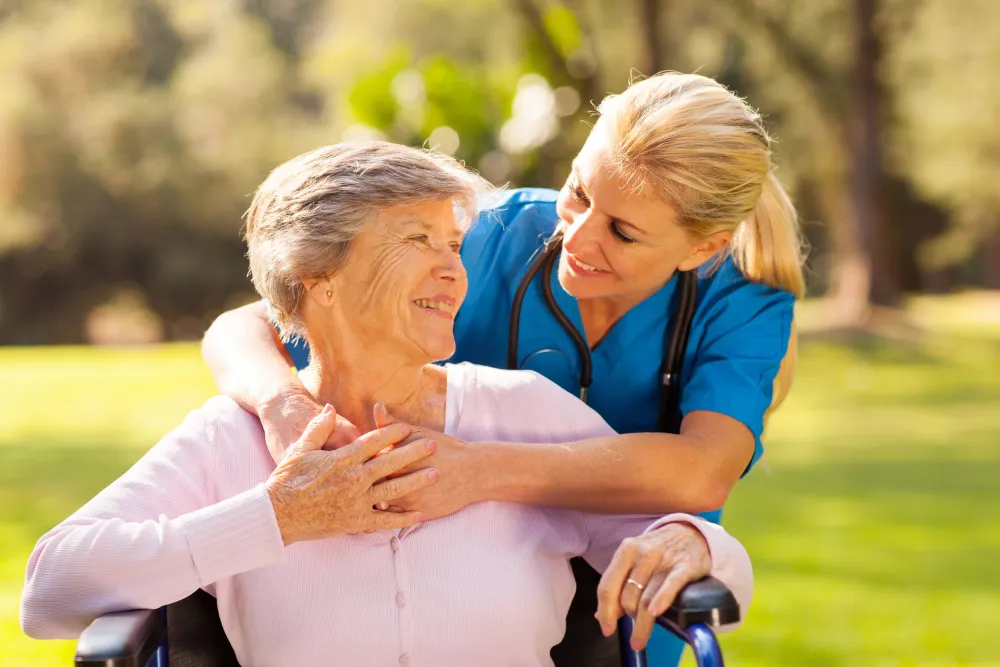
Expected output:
(403, 282)
(620, 245)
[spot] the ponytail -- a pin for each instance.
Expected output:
(767, 246)
(704, 150)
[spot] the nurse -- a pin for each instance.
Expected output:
(672, 260)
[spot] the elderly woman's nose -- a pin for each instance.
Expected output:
(449, 267)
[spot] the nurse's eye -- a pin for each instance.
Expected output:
(579, 194)
(616, 230)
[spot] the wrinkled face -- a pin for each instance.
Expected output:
(404, 281)
(618, 244)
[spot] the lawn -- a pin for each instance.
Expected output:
(873, 521)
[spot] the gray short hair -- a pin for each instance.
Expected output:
(307, 212)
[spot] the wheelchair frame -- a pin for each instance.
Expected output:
(138, 638)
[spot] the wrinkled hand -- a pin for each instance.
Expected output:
(318, 493)
(286, 415)
(460, 482)
(662, 561)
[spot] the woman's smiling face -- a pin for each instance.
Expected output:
(403, 281)
(618, 244)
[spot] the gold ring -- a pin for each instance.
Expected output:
(636, 584)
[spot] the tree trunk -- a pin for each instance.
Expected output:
(991, 260)
(651, 11)
(850, 270)
(868, 179)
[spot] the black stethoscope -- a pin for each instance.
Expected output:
(668, 416)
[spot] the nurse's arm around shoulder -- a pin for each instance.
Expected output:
(635, 472)
(724, 400)
(266, 387)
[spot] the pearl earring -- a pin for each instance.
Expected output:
(329, 293)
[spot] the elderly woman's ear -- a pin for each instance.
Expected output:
(322, 291)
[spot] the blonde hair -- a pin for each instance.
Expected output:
(305, 215)
(696, 145)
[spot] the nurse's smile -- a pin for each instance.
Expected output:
(581, 268)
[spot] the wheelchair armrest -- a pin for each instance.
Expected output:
(120, 639)
(705, 601)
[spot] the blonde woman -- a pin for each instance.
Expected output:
(658, 285)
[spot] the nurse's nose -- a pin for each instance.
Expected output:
(582, 232)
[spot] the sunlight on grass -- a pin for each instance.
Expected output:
(873, 520)
(73, 420)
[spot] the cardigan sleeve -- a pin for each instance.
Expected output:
(152, 537)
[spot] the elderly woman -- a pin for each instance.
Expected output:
(356, 248)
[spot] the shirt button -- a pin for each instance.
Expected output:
(394, 543)
(401, 600)
(404, 659)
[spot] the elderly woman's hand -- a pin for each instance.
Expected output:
(285, 416)
(318, 493)
(646, 574)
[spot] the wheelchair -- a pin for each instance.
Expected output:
(189, 633)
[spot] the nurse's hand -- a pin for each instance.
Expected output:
(460, 481)
(286, 415)
(646, 574)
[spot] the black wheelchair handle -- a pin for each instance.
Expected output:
(707, 601)
(120, 639)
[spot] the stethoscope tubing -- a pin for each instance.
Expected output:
(668, 413)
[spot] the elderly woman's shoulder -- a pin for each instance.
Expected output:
(222, 420)
(523, 404)
(500, 380)
(227, 412)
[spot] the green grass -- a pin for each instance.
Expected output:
(873, 522)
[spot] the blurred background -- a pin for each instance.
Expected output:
(133, 133)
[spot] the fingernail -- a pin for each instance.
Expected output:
(433, 474)
(431, 445)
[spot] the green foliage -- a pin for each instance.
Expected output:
(563, 28)
(132, 132)
(371, 96)
(947, 138)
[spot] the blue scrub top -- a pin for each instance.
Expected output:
(739, 335)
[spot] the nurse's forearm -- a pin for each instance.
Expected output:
(246, 358)
(636, 473)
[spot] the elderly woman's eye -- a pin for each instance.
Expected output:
(418, 238)
(456, 246)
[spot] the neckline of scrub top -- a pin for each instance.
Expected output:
(650, 312)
